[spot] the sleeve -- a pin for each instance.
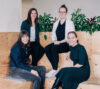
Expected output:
(16, 57)
(82, 55)
(69, 27)
(53, 35)
(72, 27)
(23, 26)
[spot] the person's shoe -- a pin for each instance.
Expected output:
(51, 74)
(56, 84)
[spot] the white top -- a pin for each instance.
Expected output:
(32, 34)
(68, 27)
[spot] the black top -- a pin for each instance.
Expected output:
(79, 55)
(19, 57)
(60, 31)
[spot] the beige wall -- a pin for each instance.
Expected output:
(10, 15)
(89, 7)
(26, 5)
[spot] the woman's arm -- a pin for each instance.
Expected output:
(15, 56)
(82, 57)
(59, 42)
(30, 59)
(22, 26)
(62, 41)
(68, 58)
(25, 26)
(69, 27)
(53, 35)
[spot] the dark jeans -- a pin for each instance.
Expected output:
(24, 74)
(52, 52)
(37, 52)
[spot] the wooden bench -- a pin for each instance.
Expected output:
(7, 39)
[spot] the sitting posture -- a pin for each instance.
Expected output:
(19, 67)
(70, 77)
(59, 40)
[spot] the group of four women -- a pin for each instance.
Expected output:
(64, 39)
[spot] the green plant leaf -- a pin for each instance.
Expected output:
(85, 24)
(45, 37)
(90, 32)
(98, 19)
(46, 22)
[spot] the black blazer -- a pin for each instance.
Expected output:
(26, 26)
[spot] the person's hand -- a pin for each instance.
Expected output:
(30, 59)
(68, 55)
(56, 42)
(78, 65)
(34, 72)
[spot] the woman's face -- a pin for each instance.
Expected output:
(33, 15)
(62, 13)
(72, 39)
(25, 39)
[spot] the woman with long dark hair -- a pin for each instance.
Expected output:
(19, 66)
(31, 25)
(71, 77)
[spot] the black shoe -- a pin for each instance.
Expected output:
(56, 84)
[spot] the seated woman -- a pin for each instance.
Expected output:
(31, 25)
(19, 67)
(70, 77)
(59, 39)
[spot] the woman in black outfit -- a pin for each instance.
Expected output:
(19, 67)
(31, 25)
(71, 77)
(59, 39)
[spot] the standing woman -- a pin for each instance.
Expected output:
(70, 77)
(31, 25)
(59, 39)
(19, 67)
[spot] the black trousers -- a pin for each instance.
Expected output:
(71, 77)
(52, 52)
(37, 52)
(24, 74)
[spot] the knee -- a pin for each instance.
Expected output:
(47, 48)
(55, 48)
(63, 70)
(66, 72)
(37, 79)
(43, 69)
(68, 75)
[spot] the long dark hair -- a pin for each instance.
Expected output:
(21, 34)
(29, 16)
(73, 32)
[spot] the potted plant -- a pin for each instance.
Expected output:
(85, 24)
(46, 23)
(88, 29)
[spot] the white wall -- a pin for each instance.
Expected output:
(10, 15)
(89, 7)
